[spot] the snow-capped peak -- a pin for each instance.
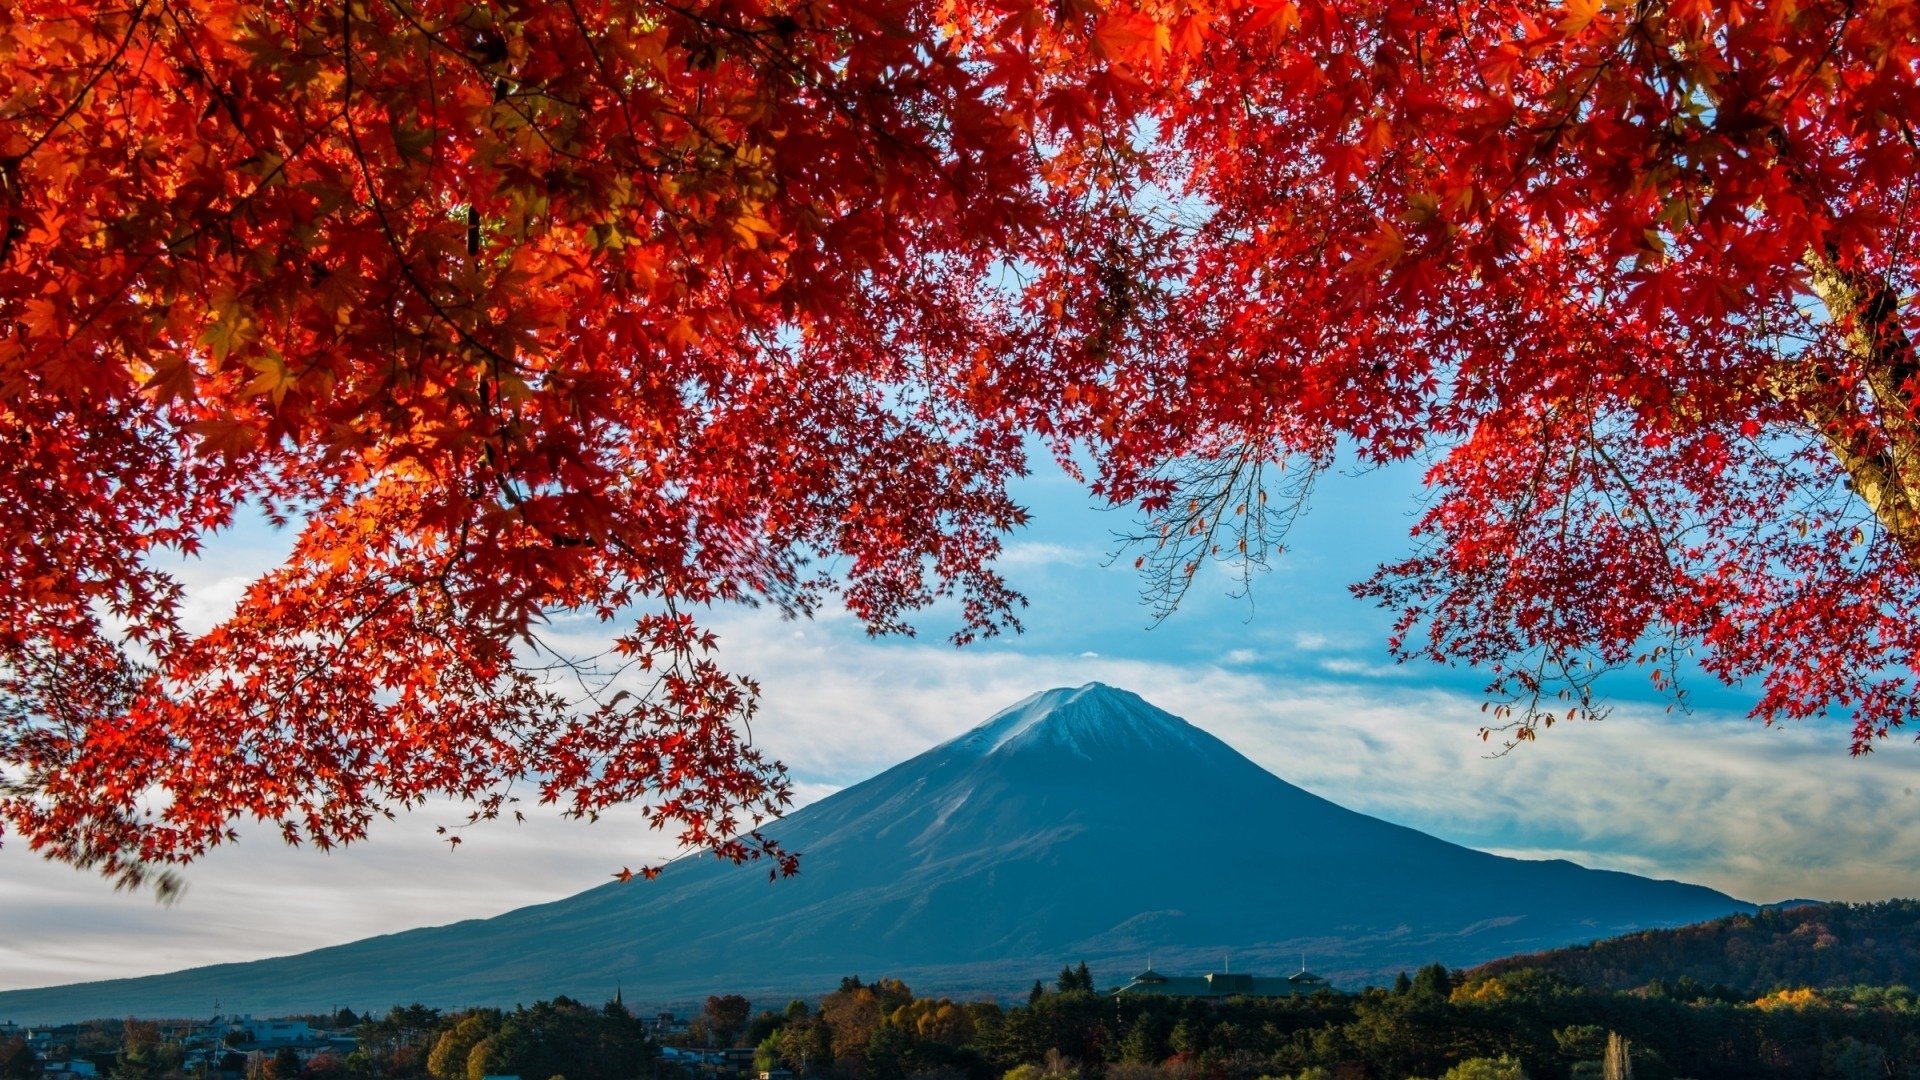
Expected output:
(1081, 720)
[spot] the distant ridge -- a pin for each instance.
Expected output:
(1789, 945)
(1079, 824)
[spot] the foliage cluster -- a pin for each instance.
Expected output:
(561, 1037)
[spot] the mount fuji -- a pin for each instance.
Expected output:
(1079, 824)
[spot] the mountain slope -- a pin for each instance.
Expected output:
(1078, 824)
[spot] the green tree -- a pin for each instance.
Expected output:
(764, 1023)
(807, 1047)
(1039, 991)
(1145, 1042)
(1500, 1068)
(987, 1015)
(285, 1065)
(766, 1054)
(398, 1044)
(1402, 986)
(1848, 1058)
(1432, 981)
(886, 1053)
(566, 1037)
(1074, 1024)
(1183, 1039)
(1581, 1042)
(1082, 978)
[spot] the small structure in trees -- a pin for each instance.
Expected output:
(1223, 984)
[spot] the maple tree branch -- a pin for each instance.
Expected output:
(1223, 492)
(379, 205)
(1826, 57)
(10, 165)
(80, 95)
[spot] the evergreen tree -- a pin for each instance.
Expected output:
(1067, 980)
(1183, 1039)
(1402, 986)
(1145, 1042)
(886, 1053)
(566, 1037)
(1039, 991)
(1432, 981)
(1083, 978)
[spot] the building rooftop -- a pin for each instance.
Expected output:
(1222, 984)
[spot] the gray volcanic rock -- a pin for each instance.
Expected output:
(1080, 824)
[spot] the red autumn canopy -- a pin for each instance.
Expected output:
(618, 309)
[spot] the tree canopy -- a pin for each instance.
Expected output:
(542, 314)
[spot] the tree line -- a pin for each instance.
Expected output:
(1435, 1024)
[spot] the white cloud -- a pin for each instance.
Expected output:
(1361, 668)
(1031, 554)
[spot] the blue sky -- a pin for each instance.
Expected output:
(1297, 678)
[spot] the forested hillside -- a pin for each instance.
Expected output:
(1818, 945)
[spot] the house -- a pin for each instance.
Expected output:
(667, 1023)
(1222, 984)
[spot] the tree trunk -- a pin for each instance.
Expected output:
(1877, 445)
(1617, 1065)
